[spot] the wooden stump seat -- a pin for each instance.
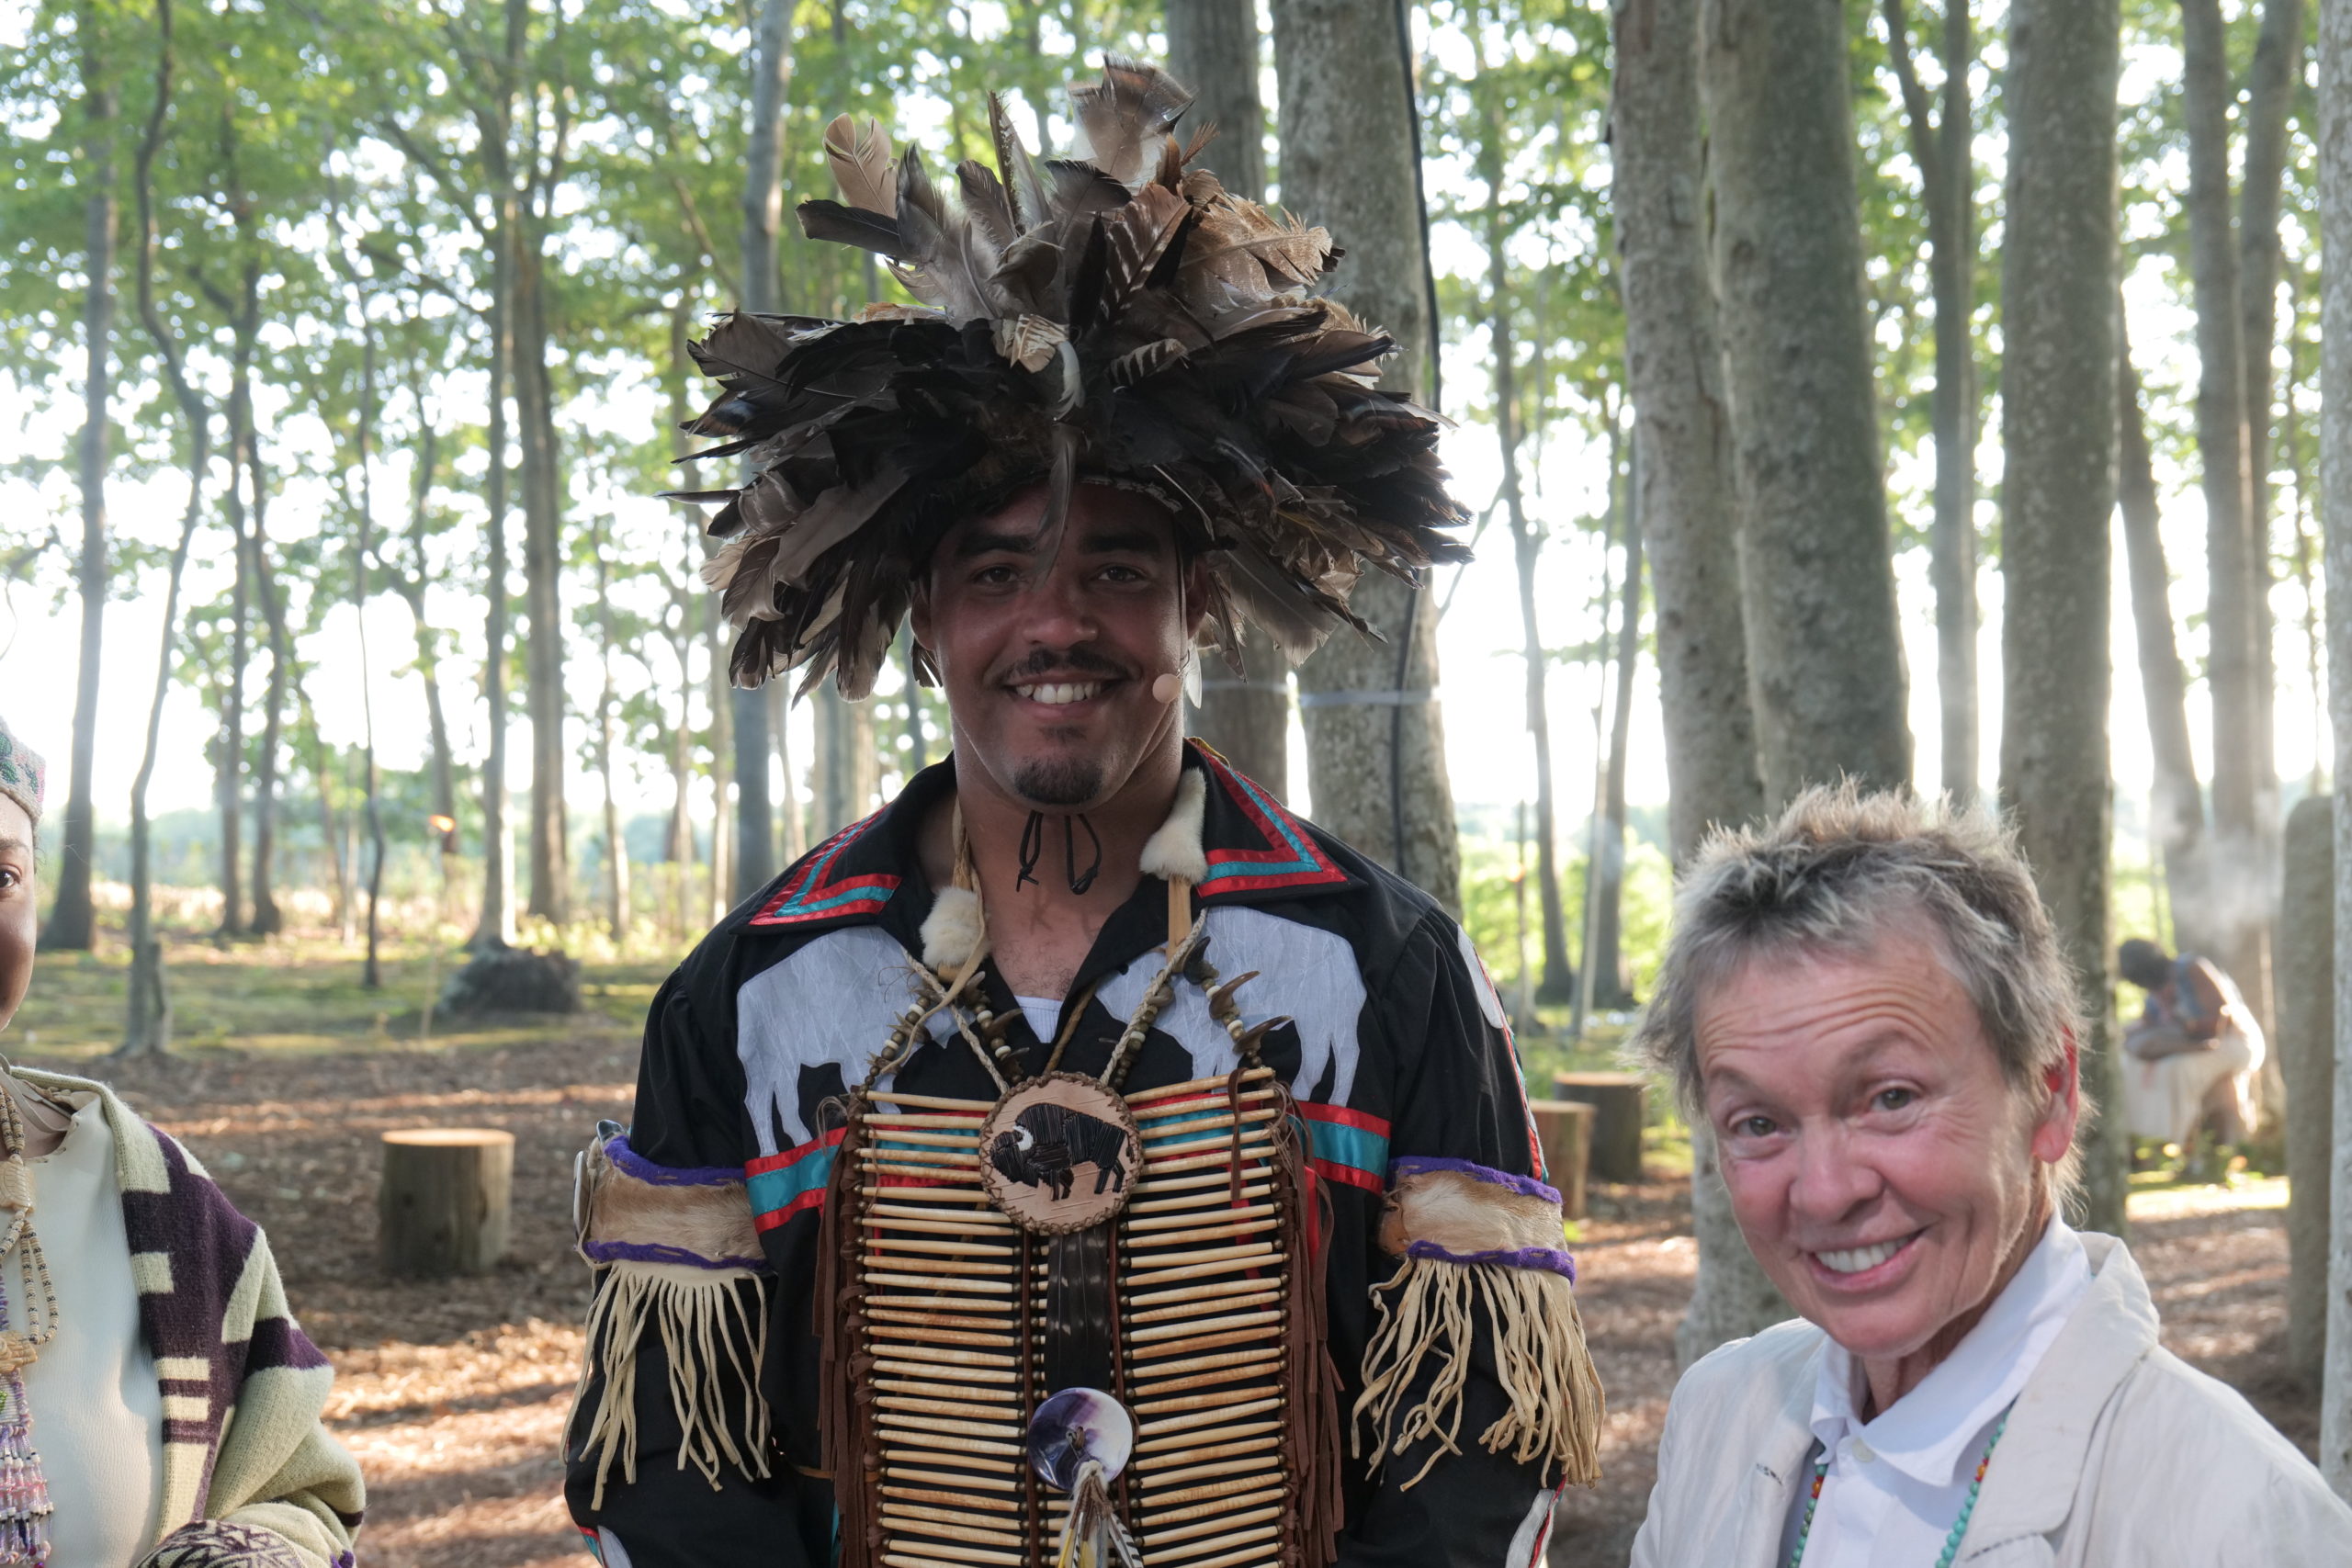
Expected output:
(444, 1204)
(1617, 1102)
(1564, 1129)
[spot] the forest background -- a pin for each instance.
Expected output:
(1840, 389)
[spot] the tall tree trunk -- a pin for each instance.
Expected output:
(147, 1023)
(1527, 546)
(443, 778)
(2237, 896)
(497, 920)
(1214, 48)
(1606, 968)
(331, 832)
(2334, 116)
(229, 785)
(2180, 827)
(542, 583)
(2273, 82)
(72, 922)
(1351, 160)
(2058, 436)
(1943, 151)
(617, 908)
(268, 920)
(1825, 656)
(722, 751)
(1687, 502)
(796, 831)
(362, 542)
(848, 775)
(762, 206)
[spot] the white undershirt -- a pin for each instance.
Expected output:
(1045, 1015)
(97, 1413)
(1896, 1483)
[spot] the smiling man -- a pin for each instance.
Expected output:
(1083, 1158)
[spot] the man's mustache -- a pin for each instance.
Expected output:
(1050, 662)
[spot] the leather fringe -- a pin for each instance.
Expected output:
(1427, 1312)
(697, 1318)
(1318, 1510)
(845, 1419)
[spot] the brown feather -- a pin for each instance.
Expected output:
(1125, 113)
(860, 157)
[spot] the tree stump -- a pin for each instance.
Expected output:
(1616, 1100)
(2306, 1049)
(1565, 1128)
(444, 1203)
(512, 979)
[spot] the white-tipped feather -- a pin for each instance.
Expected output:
(951, 932)
(1173, 853)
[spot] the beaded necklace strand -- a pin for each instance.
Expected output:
(1959, 1526)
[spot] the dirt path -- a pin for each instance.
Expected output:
(453, 1394)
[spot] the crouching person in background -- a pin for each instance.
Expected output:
(159, 1406)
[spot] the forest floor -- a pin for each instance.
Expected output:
(453, 1394)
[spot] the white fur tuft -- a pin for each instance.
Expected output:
(1174, 852)
(951, 932)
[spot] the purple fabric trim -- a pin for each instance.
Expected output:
(1550, 1259)
(658, 1252)
(1415, 1165)
(629, 1162)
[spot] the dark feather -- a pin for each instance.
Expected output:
(1124, 114)
(822, 220)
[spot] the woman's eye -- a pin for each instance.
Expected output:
(1752, 1127)
(1895, 1099)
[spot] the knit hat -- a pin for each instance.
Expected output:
(21, 772)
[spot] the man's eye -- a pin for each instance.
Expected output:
(10, 876)
(995, 575)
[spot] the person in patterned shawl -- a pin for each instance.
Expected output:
(1122, 429)
(159, 1406)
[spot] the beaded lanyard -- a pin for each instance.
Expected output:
(1959, 1526)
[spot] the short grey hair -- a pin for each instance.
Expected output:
(1837, 869)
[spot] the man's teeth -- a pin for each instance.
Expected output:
(1853, 1261)
(1060, 691)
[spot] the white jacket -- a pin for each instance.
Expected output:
(2117, 1455)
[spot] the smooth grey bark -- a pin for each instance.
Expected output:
(2335, 100)
(72, 920)
(1823, 653)
(796, 830)
(2307, 1049)
(1942, 146)
(542, 585)
(2180, 827)
(1604, 976)
(848, 767)
(1375, 732)
(2271, 84)
(763, 209)
(362, 543)
(1685, 497)
(1215, 48)
(2237, 894)
(229, 756)
(2058, 438)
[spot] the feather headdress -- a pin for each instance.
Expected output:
(1121, 319)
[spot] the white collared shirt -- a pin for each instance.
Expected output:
(1896, 1483)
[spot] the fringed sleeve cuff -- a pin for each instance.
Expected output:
(675, 1248)
(1476, 1242)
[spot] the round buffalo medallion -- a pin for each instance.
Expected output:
(1058, 1153)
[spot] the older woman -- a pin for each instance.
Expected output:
(159, 1406)
(1866, 1004)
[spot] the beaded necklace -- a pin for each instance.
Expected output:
(1959, 1526)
